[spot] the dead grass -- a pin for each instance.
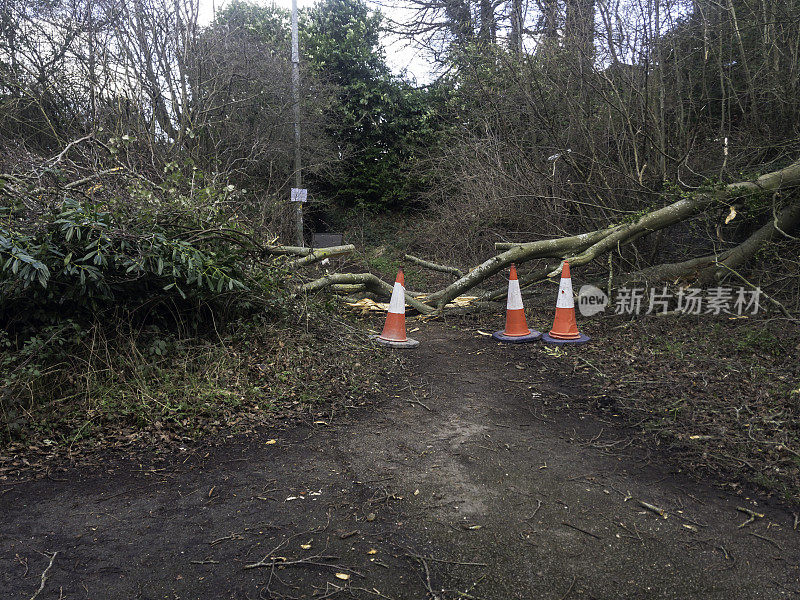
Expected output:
(720, 394)
(112, 388)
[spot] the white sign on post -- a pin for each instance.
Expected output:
(299, 195)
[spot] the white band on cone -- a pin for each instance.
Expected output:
(397, 304)
(565, 299)
(514, 301)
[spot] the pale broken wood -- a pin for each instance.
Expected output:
(366, 305)
(753, 515)
(370, 281)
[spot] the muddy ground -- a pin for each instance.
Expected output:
(478, 475)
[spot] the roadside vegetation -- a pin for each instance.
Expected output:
(135, 311)
(719, 395)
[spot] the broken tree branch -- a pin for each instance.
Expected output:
(321, 254)
(348, 288)
(302, 251)
(780, 306)
(555, 247)
(584, 248)
(686, 207)
(753, 515)
(317, 560)
(653, 508)
(434, 266)
(710, 269)
(576, 528)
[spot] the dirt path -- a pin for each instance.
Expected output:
(474, 479)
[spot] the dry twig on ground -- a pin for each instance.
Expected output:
(44, 576)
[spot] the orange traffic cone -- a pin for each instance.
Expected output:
(516, 331)
(565, 327)
(394, 331)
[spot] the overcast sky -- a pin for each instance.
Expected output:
(399, 55)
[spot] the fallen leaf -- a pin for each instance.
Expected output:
(342, 576)
(272, 442)
(305, 546)
(372, 551)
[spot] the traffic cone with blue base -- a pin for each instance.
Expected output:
(394, 331)
(516, 331)
(565, 327)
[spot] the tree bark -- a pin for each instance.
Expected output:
(434, 266)
(712, 268)
(487, 34)
(303, 251)
(321, 254)
(515, 36)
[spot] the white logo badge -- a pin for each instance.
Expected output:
(591, 300)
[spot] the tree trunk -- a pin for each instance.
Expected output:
(584, 248)
(515, 36)
(488, 31)
(579, 32)
(370, 282)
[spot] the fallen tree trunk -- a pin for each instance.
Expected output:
(584, 248)
(787, 220)
(321, 254)
(318, 253)
(684, 208)
(348, 288)
(526, 279)
(711, 269)
(557, 246)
